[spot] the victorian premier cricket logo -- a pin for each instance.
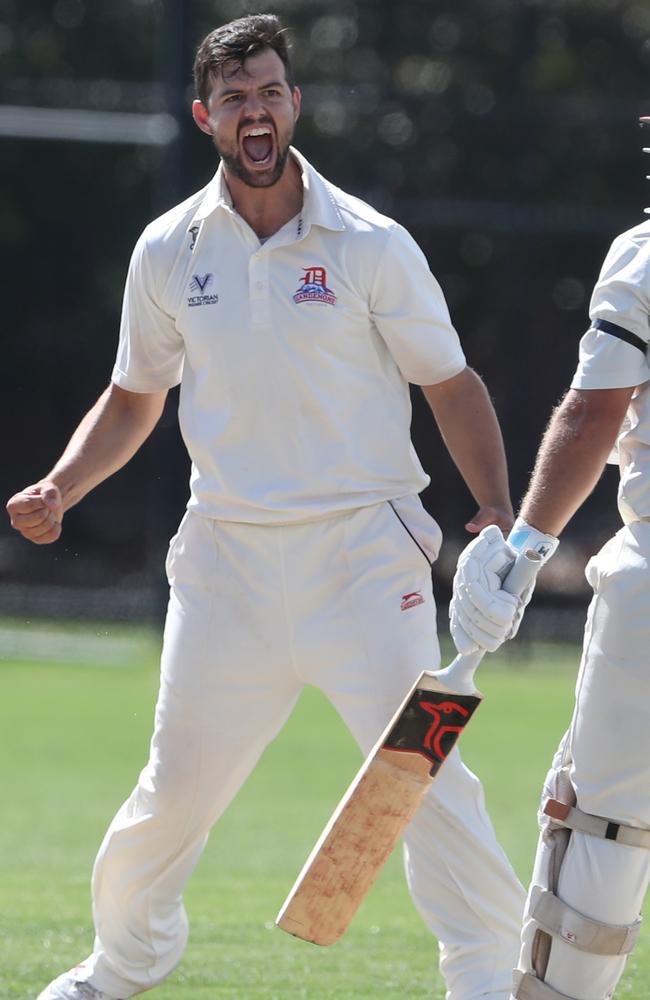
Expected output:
(199, 285)
(313, 287)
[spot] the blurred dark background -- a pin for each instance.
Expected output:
(502, 133)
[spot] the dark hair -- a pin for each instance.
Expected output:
(234, 43)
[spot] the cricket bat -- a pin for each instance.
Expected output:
(386, 792)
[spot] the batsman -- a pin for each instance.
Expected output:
(593, 859)
(293, 316)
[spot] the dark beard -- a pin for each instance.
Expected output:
(237, 169)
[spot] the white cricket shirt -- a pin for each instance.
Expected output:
(620, 308)
(294, 356)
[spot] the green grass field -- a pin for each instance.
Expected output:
(75, 720)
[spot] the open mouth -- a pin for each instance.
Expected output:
(258, 146)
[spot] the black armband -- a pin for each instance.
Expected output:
(619, 333)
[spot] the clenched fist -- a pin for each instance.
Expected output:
(37, 512)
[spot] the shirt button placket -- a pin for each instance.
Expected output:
(259, 289)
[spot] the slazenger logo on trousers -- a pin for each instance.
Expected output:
(200, 283)
(411, 600)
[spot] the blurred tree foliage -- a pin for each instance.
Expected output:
(503, 133)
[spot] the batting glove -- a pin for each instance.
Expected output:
(480, 613)
(483, 615)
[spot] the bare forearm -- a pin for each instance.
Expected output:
(572, 456)
(470, 430)
(107, 437)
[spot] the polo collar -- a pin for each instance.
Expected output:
(319, 206)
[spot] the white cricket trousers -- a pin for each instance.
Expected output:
(255, 612)
(608, 749)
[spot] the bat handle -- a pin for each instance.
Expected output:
(459, 675)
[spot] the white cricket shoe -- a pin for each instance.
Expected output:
(68, 987)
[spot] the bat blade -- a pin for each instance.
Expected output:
(386, 793)
(375, 810)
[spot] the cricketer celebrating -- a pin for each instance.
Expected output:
(293, 316)
(593, 858)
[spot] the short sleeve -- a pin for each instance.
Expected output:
(411, 315)
(605, 362)
(612, 354)
(150, 351)
(621, 294)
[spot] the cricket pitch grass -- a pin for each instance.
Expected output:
(75, 719)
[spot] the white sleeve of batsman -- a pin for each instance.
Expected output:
(613, 351)
(622, 293)
(482, 615)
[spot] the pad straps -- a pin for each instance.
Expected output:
(527, 987)
(606, 829)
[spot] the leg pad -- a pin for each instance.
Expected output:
(561, 920)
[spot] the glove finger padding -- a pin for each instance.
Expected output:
(493, 609)
(483, 631)
(488, 553)
(481, 614)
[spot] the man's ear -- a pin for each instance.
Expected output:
(296, 97)
(201, 116)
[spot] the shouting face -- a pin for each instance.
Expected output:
(251, 114)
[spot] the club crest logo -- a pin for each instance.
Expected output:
(313, 287)
(199, 285)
